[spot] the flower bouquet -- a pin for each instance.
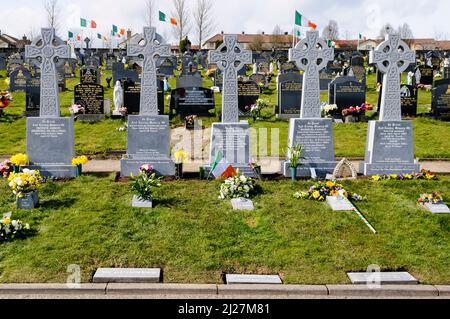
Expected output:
(5, 99)
(256, 167)
(294, 156)
(12, 228)
(6, 168)
(25, 187)
(237, 186)
(79, 161)
(143, 186)
(189, 122)
(433, 198)
(19, 160)
(76, 109)
(328, 110)
(355, 113)
(424, 174)
(320, 190)
(180, 157)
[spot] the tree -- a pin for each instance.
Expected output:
(257, 44)
(203, 19)
(184, 43)
(277, 37)
(385, 30)
(181, 13)
(405, 31)
(149, 12)
(331, 31)
(52, 11)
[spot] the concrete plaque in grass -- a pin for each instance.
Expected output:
(252, 279)
(127, 275)
(339, 204)
(242, 204)
(437, 208)
(141, 203)
(384, 278)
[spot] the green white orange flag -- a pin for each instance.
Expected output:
(162, 16)
(83, 22)
(302, 21)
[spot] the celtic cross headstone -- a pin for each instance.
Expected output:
(311, 55)
(146, 46)
(230, 57)
(392, 57)
(47, 49)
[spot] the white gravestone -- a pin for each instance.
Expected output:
(383, 278)
(339, 204)
(440, 208)
(242, 204)
(390, 145)
(148, 133)
(231, 137)
(127, 275)
(50, 138)
(311, 131)
(252, 279)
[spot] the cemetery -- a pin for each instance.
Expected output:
(307, 163)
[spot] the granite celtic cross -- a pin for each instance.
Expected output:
(48, 47)
(145, 45)
(311, 55)
(392, 57)
(230, 57)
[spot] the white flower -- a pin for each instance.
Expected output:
(243, 178)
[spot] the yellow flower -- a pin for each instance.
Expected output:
(330, 184)
(181, 156)
(393, 176)
(19, 159)
(6, 221)
(376, 178)
(316, 194)
(80, 160)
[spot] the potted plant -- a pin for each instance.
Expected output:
(180, 157)
(18, 161)
(143, 186)
(79, 162)
(237, 186)
(12, 228)
(294, 156)
(256, 167)
(25, 186)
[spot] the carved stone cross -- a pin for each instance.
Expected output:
(311, 55)
(392, 57)
(230, 57)
(144, 45)
(48, 47)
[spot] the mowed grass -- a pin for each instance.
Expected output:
(195, 237)
(431, 137)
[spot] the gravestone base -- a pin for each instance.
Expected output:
(233, 140)
(50, 146)
(389, 149)
(148, 143)
(243, 169)
(91, 117)
(316, 137)
(30, 113)
(439, 208)
(140, 203)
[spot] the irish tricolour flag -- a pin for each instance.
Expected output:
(302, 21)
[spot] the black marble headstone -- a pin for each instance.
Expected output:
(192, 101)
(440, 105)
(248, 93)
(290, 94)
(408, 96)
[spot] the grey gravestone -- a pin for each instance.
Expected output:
(440, 208)
(166, 66)
(127, 275)
(390, 145)
(383, 278)
(148, 132)
(18, 79)
(189, 81)
(230, 137)
(289, 94)
(310, 130)
(339, 203)
(288, 67)
(347, 92)
(91, 97)
(259, 79)
(440, 105)
(252, 279)
(325, 78)
(139, 203)
(120, 73)
(242, 204)
(132, 96)
(89, 75)
(50, 138)
(2, 61)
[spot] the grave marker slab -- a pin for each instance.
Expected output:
(289, 94)
(192, 101)
(339, 204)
(437, 208)
(248, 94)
(252, 279)
(385, 278)
(408, 95)
(91, 97)
(440, 105)
(242, 204)
(127, 275)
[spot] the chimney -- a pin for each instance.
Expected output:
(286, 33)
(128, 34)
(24, 38)
(262, 33)
(221, 32)
(243, 32)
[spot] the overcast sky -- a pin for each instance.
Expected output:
(427, 18)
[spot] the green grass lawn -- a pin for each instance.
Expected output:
(195, 237)
(432, 137)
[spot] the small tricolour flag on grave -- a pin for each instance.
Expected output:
(93, 24)
(173, 21)
(302, 21)
(83, 22)
(114, 29)
(99, 35)
(122, 31)
(70, 35)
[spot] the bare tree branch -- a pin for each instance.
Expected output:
(276, 37)
(203, 19)
(181, 13)
(52, 11)
(149, 13)
(331, 31)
